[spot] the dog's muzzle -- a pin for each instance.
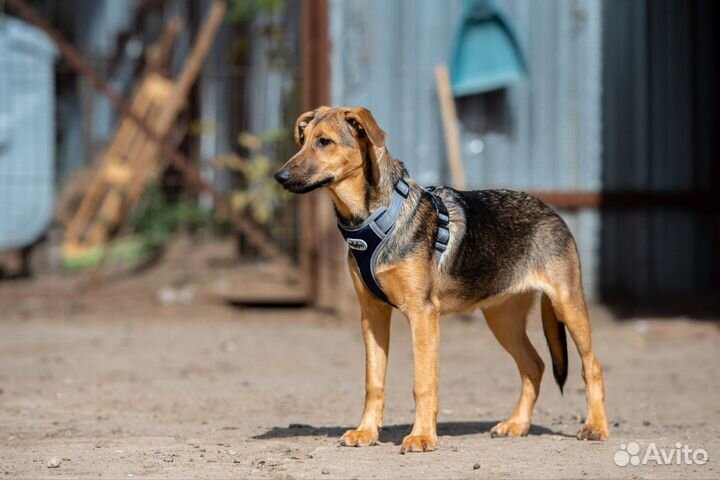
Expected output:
(291, 184)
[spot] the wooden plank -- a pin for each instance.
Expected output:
(158, 55)
(450, 127)
(114, 173)
(101, 208)
(159, 102)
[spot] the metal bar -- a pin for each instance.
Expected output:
(629, 200)
(78, 63)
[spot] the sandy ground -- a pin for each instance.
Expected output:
(123, 387)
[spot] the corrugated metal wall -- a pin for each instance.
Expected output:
(543, 133)
(660, 134)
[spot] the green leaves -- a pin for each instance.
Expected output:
(156, 218)
(245, 10)
(260, 194)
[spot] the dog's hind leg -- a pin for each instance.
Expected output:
(507, 321)
(564, 288)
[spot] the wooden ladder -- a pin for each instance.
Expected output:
(133, 157)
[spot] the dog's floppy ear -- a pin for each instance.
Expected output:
(300, 125)
(303, 121)
(362, 120)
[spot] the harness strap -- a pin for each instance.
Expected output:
(367, 239)
(443, 234)
(387, 220)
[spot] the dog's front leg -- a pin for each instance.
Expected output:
(376, 333)
(425, 328)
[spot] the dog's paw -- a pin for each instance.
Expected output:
(359, 438)
(419, 443)
(510, 429)
(593, 432)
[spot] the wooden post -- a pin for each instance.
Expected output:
(322, 251)
(450, 127)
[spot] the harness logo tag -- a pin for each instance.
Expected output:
(357, 244)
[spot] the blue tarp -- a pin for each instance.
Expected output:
(27, 127)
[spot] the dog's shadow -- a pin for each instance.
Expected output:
(394, 433)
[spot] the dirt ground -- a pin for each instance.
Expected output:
(127, 384)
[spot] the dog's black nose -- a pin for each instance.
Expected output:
(282, 176)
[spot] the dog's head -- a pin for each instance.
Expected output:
(333, 143)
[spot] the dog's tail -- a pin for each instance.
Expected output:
(557, 343)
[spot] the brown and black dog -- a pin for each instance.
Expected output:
(504, 247)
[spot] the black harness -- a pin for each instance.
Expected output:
(367, 239)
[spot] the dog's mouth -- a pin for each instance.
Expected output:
(301, 187)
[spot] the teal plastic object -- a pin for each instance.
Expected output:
(487, 54)
(27, 133)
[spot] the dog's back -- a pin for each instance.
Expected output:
(507, 234)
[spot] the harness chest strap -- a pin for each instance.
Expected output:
(367, 239)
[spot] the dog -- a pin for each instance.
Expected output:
(503, 248)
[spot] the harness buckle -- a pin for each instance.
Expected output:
(402, 188)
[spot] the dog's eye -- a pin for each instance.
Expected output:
(324, 142)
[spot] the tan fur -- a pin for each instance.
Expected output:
(407, 283)
(507, 322)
